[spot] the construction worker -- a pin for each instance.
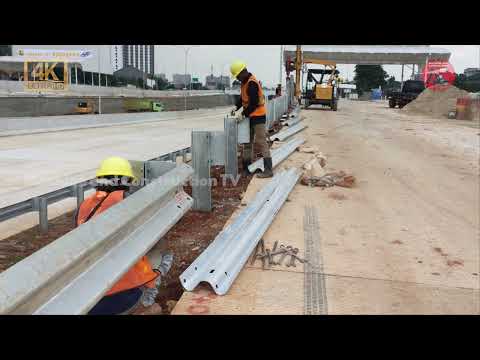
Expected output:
(139, 284)
(252, 101)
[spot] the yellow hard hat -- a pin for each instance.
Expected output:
(115, 166)
(237, 67)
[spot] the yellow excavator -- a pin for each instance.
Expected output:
(322, 90)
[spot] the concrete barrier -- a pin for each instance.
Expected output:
(48, 106)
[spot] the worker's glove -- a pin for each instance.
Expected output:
(149, 294)
(165, 264)
(240, 118)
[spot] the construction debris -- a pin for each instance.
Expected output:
(309, 149)
(331, 179)
(314, 167)
(266, 255)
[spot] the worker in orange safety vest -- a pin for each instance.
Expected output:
(139, 284)
(252, 100)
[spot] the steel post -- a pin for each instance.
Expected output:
(43, 214)
(201, 191)
(231, 140)
(78, 193)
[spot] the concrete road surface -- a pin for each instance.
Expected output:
(32, 165)
(404, 240)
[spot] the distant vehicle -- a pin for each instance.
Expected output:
(84, 107)
(139, 105)
(409, 92)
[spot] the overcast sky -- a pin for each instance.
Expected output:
(262, 60)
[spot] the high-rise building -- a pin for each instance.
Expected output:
(140, 57)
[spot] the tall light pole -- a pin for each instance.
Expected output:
(99, 82)
(281, 61)
(186, 49)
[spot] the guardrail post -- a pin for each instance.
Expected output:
(201, 190)
(78, 193)
(43, 214)
(231, 141)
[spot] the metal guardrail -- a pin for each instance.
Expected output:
(284, 134)
(275, 109)
(40, 203)
(278, 155)
(71, 274)
(221, 262)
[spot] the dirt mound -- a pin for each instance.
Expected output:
(436, 103)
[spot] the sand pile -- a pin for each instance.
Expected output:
(436, 103)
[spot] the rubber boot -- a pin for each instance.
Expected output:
(245, 164)
(267, 173)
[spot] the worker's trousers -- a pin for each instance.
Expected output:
(258, 136)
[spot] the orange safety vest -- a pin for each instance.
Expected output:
(139, 274)
(260, 110)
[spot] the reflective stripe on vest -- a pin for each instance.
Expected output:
(260, 110)
(139, 274)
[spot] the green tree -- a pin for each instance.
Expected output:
(392, 83)
(368, 77)
(160, 83)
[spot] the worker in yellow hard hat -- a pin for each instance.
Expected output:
(138, 286)
(252, 100)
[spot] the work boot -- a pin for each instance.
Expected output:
(267, 164)
(245, 164)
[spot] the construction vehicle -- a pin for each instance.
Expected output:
(322, 90)
(84, 107)
(409, 92)
(138, 105)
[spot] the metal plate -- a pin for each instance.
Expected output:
(244, 131)
(217, 148)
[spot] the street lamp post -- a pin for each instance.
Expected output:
(99, 83)
(281, 62)
(186, 49)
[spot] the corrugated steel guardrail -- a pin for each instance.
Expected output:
(71, 274)
(40, 203)
(278, 155)
(221, 262)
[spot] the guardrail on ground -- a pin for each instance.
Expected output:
(71, 274)
(40, 203)
(221, 262)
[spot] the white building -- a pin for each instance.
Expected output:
(140, 57)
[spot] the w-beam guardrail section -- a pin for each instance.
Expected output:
(71, 274)
(221, 262)
(212, 148)
(40, 203)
